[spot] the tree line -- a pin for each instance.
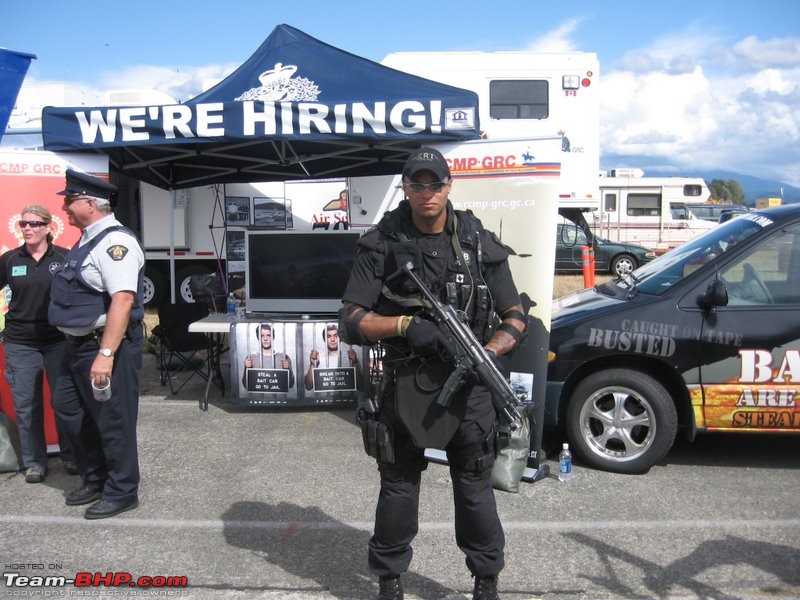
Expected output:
(728, 192)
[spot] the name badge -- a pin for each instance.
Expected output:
(19, 271)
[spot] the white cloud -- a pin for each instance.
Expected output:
(779, 52)
(557, 40)
(701, 104)
(654, 113)
(771, 80)
(676, 54)
(181, 83)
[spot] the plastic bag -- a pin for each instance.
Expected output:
(510, 463)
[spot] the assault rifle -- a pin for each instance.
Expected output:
(470, 356)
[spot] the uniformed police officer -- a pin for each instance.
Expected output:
(464, 265)
(96, 302)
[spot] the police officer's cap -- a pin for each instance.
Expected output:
(426, 159)
(82, 184)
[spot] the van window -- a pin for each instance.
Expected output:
(644, 205)
(610, 203)
(766, 274)
(703, 212)
(519, 99)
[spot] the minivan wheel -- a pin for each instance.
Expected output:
(621, 420)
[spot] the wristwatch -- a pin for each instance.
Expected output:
(107, 352)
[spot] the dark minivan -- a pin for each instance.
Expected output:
(704, 338)
(709, 211)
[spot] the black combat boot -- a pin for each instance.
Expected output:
(390, 588)
(485, 588)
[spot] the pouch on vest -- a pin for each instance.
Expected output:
(399, 254)
(418, 386)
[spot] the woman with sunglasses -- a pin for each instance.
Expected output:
(32, 345)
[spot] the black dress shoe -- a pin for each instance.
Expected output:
(108, 508)
(88, 492)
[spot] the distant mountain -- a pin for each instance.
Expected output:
(753, 186)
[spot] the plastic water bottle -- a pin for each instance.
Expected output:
(231, 309)
(565, 463)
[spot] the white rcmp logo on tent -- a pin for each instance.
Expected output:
(278, 84)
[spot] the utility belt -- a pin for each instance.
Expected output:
(97, 334)
(77, 340)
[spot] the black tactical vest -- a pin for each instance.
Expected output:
(450, 264)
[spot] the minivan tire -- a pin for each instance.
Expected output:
(621, 420)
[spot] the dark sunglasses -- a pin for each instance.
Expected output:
(31, 224)
(436, 186)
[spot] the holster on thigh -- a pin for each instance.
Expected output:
(378, 440)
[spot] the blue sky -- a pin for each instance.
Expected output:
(686, 85)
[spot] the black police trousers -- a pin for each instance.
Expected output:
(102, 434)
(470, 454)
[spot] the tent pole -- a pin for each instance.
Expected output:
(172, 196)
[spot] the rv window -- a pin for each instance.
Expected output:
(692, 190)
(610, 204)
(644, 205)
(518, 99)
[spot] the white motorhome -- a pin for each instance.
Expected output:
(535, 95)
(649, 211)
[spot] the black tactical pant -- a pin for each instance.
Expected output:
(470, 454)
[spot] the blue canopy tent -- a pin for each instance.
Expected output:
(297, 109)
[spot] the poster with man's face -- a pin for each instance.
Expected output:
(293, 363)
(334, 368)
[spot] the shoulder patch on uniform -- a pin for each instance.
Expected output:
(117, 251)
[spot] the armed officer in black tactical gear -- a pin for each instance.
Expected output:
(466, 266)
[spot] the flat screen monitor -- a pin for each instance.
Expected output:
(304, 273)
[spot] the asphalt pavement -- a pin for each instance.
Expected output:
(245, 504)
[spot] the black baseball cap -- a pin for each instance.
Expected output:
(83, 184)
(426, 159)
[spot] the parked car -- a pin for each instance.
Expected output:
(704, 338)
(609, 257)
(708, 211)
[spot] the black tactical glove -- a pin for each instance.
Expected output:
(497, 362)
(425, 339)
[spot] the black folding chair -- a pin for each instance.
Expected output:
(209, 289)
(179, 349)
